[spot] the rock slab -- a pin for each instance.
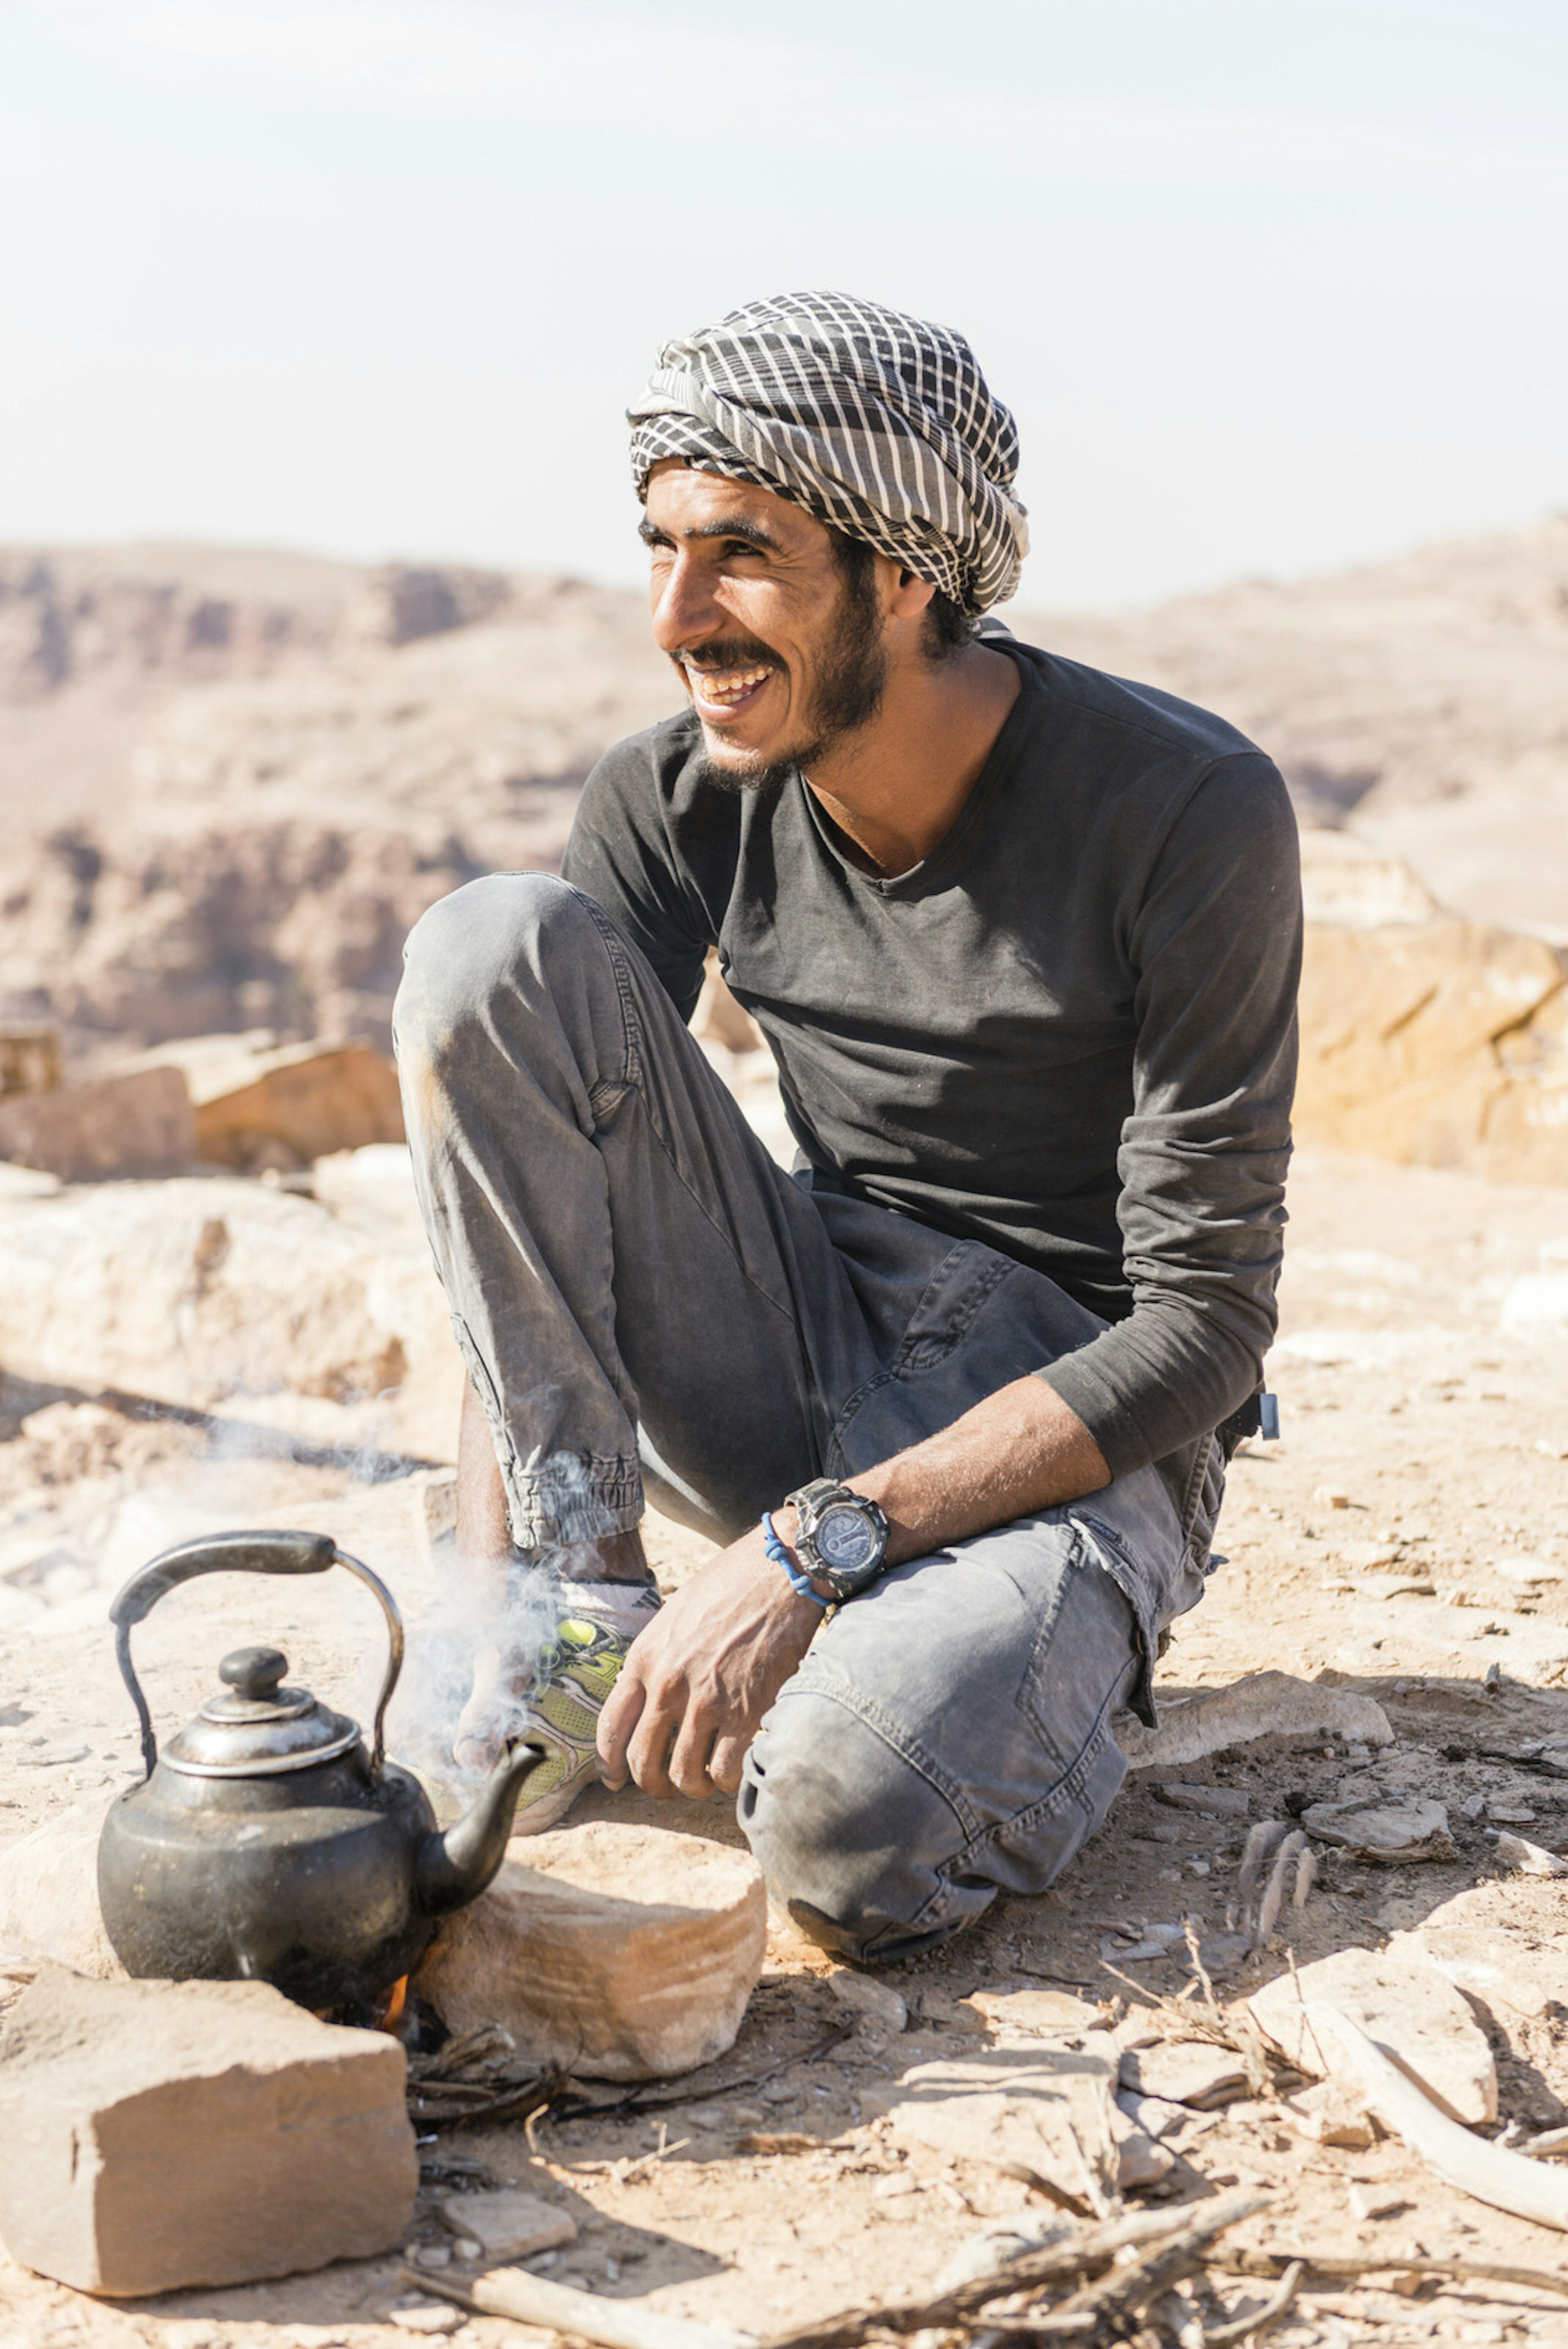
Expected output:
(1481, 1942)
(619, 1952)
(160, 2135)
(1405, 2005)
(1394, 1833)
(1263, 1704)
(510, 2225)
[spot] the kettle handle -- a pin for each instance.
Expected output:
(245, 1553)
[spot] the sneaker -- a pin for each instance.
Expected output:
(577, 1673)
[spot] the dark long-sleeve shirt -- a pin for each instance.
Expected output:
(1069, 1031)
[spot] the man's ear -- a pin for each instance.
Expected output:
(911, 597)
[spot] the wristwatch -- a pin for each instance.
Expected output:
(842, 1537)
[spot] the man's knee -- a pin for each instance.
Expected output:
(852, 1841)
(487, 942)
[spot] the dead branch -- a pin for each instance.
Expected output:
(612, 2107)
(1060, 2264)
(1130, 2287)
(1272, 2263)
(1244, 2328)
(610, 2324)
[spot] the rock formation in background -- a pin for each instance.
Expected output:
(236, 779)
(1422, 701)
(233, 781)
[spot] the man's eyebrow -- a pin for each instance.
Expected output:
(753, 533)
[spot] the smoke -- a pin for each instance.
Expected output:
(477, 1654)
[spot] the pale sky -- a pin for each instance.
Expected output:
(1272, 285)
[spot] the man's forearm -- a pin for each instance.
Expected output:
(1020, 1450)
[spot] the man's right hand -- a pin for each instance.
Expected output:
(696, 1685)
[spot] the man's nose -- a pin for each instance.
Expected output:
(684, 608)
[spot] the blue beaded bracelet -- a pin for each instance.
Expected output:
(798, 1581)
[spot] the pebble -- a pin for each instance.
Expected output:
(778, 2092)
(875, 2001)
(427, 2316)
(889, 2190)
(1329, 1496)
(50, 1757)
(1213, 1802)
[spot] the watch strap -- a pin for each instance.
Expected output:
(781, 1557)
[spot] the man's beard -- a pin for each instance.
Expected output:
(847, 692)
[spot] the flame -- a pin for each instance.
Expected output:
(391, 2012)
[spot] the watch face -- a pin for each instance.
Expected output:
(846, 1539)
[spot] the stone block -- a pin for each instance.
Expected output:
(155, 2136)
(619, 1952)
(136, 1124)
(260, 1105)
(1405, 2006)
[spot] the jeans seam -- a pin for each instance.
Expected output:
(621, 971)
(1071, 1788)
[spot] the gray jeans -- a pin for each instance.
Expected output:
(646, 1301)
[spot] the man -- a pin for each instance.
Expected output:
(1023, 941)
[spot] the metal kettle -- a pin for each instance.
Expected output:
(265, 1843)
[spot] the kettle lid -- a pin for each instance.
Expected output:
(256, 1728)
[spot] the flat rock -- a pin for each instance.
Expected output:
(1405, 2005)
(511, 2225)
(1190, 2071)
(1478, 1942)
(1036, 2013)
(1025, 2110)
(619, 1952)
(155, 2136)
(1392, 1834)
(1264, 1704)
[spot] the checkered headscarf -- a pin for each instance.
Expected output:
(879, 425)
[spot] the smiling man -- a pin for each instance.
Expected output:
(955, 1395)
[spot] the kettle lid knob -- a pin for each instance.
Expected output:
(253, 1674)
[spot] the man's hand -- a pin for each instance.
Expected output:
(698, 1680)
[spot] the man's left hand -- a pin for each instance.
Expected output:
(698, 1680)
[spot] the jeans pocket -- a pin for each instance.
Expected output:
(1088, 1651)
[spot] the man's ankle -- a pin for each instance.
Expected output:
(613, 1557)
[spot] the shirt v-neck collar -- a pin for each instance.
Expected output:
(933, 872)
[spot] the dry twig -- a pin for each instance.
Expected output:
(1175, 2236)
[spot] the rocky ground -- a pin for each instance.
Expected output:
(1407, 1539)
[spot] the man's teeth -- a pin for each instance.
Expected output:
(729, 686)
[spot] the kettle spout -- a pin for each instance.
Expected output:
(453, 1868)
